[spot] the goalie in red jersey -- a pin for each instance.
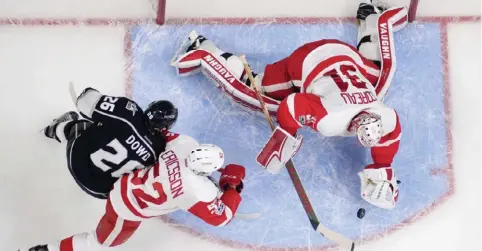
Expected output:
(327, 85)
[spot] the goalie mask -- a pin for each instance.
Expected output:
(205, 159)
(368, 128)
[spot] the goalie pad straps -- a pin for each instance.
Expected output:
(280, 147)
(389, 21)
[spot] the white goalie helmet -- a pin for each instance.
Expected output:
(368, 127)
(205, 159)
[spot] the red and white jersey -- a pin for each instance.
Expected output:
(320, 67)
(169, 186)
(336, 83)
(333, 119)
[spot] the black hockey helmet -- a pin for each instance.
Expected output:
(160, 115)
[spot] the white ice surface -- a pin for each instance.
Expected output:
(41, 203)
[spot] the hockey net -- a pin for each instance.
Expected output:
(160, 8)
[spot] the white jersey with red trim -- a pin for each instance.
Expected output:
(337, 83)
(169, 186)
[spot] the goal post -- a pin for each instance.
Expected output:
(160, 7)
(161, 12)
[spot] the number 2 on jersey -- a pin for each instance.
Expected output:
(141, 196)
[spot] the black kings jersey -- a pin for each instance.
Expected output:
(117, 142)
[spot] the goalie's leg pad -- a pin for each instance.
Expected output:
(376, 43)
(280, 147)
(219, 71)
(368, 33)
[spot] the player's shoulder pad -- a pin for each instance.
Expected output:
(201, 188)
(388, 115)
(181, 144)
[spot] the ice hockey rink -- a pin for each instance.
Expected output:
(116, 47)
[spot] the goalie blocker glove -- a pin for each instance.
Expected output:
(281, 146)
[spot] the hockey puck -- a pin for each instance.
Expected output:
(361, 213)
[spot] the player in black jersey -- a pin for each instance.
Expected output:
(115, 138)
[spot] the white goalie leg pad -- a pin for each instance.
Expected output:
(280, 148)
(370, 28)
(381, 46)
(217, 71)
(395, 17)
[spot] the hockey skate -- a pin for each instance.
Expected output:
(367, 8)
(192, 43)
(49, 131)
(36, 248)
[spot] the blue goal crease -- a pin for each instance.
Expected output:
(328, 167)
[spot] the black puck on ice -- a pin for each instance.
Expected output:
(361, 213)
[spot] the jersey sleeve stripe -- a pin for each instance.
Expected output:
(229, 215)
(133, 129)
(389, 142)
(119, 223)
(278, 87)
(291, 108)
(125, 197)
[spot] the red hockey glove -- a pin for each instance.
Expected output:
(232, 176)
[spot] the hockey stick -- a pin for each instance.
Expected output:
(247, 216)
(240, 216)
(295, 179)
(73, 95)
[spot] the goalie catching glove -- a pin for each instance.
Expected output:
(281, 146)
(379, 187)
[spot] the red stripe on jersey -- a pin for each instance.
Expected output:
(389, 174)
(170, 136)
(325, 64)
(67, 244)
(125, 197)
(286, 119)
(128, 229)
(107, 223)
(214, 212)
(156, 170)
(393, 134)
(383, 155)
(306, 109)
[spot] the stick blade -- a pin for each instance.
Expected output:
(73, 95)
(336, 237)
(251, 216)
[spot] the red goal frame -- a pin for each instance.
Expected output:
(161, 11)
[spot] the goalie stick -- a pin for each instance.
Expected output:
(295, 179)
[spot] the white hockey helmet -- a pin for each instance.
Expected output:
(205, 159)
(368, 127)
